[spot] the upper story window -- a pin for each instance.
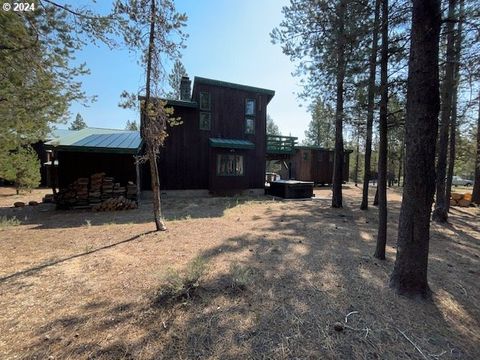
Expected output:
(250, 116)
(205, 120)
(249, 125)
(204, 101)
(250, 107)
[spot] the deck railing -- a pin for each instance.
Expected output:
(278, 144)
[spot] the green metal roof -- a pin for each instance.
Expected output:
(99, 140)
(183, 103)
(231, 143)
(200, 80)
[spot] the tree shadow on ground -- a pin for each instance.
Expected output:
(310, 268)
(45, 216)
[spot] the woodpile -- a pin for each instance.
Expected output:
(95, 191)
(114, 204)
(463, 200)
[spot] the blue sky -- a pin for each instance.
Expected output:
(228, 40)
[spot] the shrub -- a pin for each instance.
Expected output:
(241, 276)
(6, 222)
(179, 286)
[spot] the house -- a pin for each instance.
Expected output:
(220, 147)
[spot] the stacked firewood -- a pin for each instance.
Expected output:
(107, 187)
(95, 193)
(131, 191)
(113, 204)
(98, 192)
(463, 200)
(118, 190)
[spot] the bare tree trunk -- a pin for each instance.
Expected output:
(400, 161)
(453, 120)
(144, 128)
(337, 201)
(409, 275)
(476, 186)
(157, 209)
(375, 198)
(371, 106)
(383, 146)
(440, 213)
(357, 156)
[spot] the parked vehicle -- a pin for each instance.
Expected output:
(458, 181)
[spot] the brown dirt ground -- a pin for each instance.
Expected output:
(82, 285)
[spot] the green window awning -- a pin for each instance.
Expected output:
(231, 143)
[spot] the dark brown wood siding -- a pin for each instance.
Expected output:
(188, 162)
(316, 165)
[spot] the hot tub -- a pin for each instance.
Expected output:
(291, 189)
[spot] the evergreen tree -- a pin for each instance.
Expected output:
(321, 129)
(476, 184)
(78, 123)
(272, 128)
(164, 38)
(22, 167)
(409, 275)
(371, 105)
(440, 213)
(327, 38)
(38, 77)
(175, 78)
(383, 144)
(131, 125)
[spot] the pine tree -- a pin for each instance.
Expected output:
(78, 123)
(409, 275)
(22, 167)
(320, 130)
(175, 78)
(272, 128)
(371, 106)
(440, 213)
(327, 38)
(476, 185)
(131, 125)
(383, 144)
(163, 39)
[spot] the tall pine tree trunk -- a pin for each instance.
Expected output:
(357, 156)
(383, 145)
(440, 213)
(400, 161)
(476, 186)
(453, 119)
(144, 127)
(409, 275)
(371, 107)
(337, 201)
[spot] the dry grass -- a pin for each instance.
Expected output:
(275, 278)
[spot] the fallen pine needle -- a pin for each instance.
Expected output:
(414, 345)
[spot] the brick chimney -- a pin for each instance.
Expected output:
(185, 88)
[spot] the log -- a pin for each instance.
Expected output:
(457, 196)
(464, 203)
(467, 196)
(453, 202)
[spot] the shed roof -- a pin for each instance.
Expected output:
(99, 140)
(231, 143)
